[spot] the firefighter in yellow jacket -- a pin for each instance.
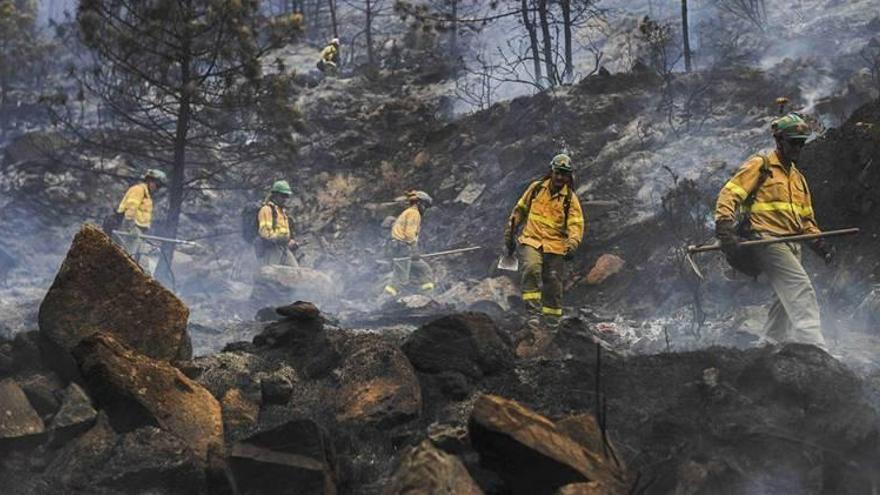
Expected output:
(411, 271)
(329, 61)
(275, 243)
(774, 197)
(137, 210)
(554, 227)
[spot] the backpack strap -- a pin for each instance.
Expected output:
(765, 172)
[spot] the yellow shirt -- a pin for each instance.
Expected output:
(783, 205)
(281, 229)
(406, 227)
(329, 53)
(137, 205)
(544, 225)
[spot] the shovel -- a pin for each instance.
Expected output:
(509, 262)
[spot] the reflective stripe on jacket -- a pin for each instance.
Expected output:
(406, 227)
(137, 205)
(281, 229)
(544, 225)
(783, 205)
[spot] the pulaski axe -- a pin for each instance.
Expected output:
(716, 246)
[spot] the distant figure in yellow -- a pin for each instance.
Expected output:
(329, 61)
(412, 271)
(137, 210)
(275, 244)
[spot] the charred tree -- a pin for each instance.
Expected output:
(533, 41)
(685, 36)
(566, 30)
(175, 76)
(547, 44)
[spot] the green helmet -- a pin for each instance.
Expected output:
(281, 187)
(562, 163)
(157, 175)
(791, 126)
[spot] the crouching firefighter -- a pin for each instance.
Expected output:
(554, 227)
(136, 211)
(411, 271)
(274, 244)
(768, 197)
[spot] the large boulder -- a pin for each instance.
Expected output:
(136, 391)
(18, 418)
(426, 470)
(100, 288)
(378, 384)
(294, 458)
(530, 453)
(468, 343)
(145, 460)
(275, 285)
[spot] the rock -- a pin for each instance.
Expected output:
(146, 460)
(425, 470)
(17, 418)
(470, 193)
(152, 461)
(26, 353)
(300, 328)
(606, 266)
(43, 390)
(136, 390)
(76, 413)
(276, 389)
(450, 438)
(295, 458)
(239, 413)
(300, 310)
(378, 384)
(529, 452)
(584, 429)
(453, 385)
(467, 343)
(100, 288)
(274, 285)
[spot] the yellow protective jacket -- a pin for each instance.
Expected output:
(273, 226)
(137, 205)
(329, 53)
(783, 205)
(544, 219)
(406, 227)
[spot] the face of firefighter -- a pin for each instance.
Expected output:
(153, 186)
(560, 179)
(279, 199)
(791, 148)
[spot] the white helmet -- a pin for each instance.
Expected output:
(334, 41)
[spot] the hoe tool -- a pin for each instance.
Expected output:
(716, 246)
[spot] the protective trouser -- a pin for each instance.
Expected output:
(271, 253)
(132, 242)
(409, 272)
(794, 316)
(542, 282)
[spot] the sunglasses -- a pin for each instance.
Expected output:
(797, 143)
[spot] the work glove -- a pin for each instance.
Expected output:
(569, 252)
(725, 231)
(823, 250)
(292, 245)
(509, 242)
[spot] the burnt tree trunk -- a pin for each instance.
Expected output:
(533, 41)
(549, 65)
(685, 35)
(566, 25)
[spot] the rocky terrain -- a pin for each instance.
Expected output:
(463, 404)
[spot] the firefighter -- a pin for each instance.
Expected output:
(328, 63)
(554, 226)
(768, 197)
(411, 272)
(275, 244)
(136, 208)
